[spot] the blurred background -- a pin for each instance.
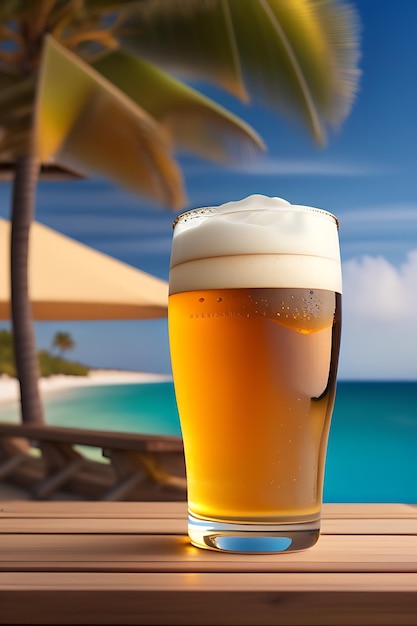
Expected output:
(365, 175)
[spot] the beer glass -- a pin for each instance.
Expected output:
(254, 327)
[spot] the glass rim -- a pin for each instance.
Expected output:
(214, 210)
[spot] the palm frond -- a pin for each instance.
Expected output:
(84, 121)
(194, 122)
(193, 38)
(299, 57)
(296, 55)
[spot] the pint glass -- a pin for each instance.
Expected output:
(254, 327)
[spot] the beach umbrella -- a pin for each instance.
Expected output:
(70, 281)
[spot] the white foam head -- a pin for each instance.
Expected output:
(256, 242)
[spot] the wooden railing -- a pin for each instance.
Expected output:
(138, 462)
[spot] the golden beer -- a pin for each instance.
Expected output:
(254, 372)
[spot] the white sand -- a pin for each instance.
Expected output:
(9, 388)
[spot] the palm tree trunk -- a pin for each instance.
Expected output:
(26, 357)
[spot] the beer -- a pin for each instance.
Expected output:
(255, 368)
(254, 379)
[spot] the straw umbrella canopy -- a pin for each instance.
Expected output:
(70, 281)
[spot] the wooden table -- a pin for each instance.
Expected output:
(131, 563)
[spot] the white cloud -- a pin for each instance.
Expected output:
(379, 245)
(379, 308)
(391, 213)
(271, 166)
(385, 219)
(375, 289)
(388, 230)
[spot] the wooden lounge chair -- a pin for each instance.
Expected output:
(149, 467)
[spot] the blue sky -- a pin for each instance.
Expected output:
(366, 175)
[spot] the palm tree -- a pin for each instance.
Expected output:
(84, 83)
(63, 342)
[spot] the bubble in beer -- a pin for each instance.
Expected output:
(303, 310)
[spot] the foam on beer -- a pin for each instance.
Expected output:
(255, 242)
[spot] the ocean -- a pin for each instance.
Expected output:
(372, 452)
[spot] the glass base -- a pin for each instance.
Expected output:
(252, 538)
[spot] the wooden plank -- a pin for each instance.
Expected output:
(93, 510)
(168, 553)
(92, 526)
(122, 517)
(203, 599)
(179, 509)
(124, 563)
(144, 523)
(372, 526)
(369, 510)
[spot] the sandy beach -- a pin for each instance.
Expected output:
(9, 388)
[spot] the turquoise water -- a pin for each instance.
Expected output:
(372, 453)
